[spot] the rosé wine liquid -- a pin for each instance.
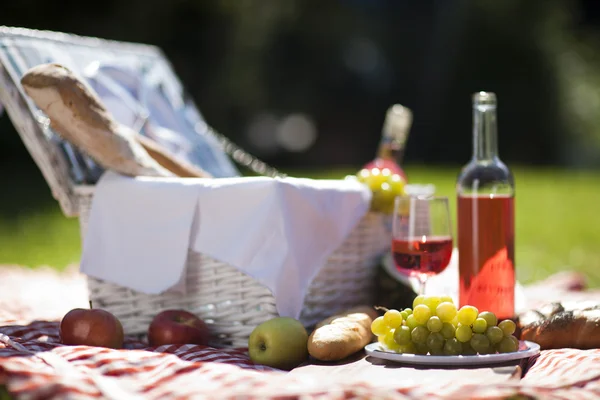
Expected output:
(427, 256)
(486, 253)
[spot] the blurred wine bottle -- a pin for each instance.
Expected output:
(397, 124)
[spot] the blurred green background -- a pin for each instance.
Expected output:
(252, 65)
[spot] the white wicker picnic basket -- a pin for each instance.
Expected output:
(231, 302)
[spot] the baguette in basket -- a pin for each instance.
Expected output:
(78, 115)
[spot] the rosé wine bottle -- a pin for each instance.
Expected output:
(486, 219)
(396, 126)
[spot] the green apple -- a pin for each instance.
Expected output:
(280, 342)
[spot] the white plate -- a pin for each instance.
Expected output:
(526, 349)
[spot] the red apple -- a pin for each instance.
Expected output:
(177, 327)
(91, 328)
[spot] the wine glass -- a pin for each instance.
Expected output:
(421, 236)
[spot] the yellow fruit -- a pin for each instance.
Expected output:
(379, 327)
(384, 185)
(396, 183)
(373, 178)
(393, 318)
(389, 342)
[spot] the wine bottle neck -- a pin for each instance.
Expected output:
(485, 141)
(395, 132)
(390, 150)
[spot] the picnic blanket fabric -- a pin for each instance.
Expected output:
(34, 365)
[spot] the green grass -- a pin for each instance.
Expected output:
(33, 230)
(557, 217)
(557, 220)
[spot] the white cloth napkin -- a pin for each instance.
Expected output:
(279, 231)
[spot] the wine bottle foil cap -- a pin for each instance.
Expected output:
(484, 99)
(398, 121)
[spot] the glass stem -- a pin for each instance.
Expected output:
(422, 282)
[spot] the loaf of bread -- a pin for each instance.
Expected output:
(558, 325)
(78, 115)
(342, 335)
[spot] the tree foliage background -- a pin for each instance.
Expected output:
(250, 64)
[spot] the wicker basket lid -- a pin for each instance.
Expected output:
(137, 84)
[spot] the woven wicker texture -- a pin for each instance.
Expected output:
(233, 303)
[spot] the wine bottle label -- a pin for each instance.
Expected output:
(493, 286)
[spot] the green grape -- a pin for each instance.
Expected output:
(363, 175)
(408, 311)
(418, 300)
(508, 327)
(467, 315)
(397, 184)
(479, 325)
(452, 347)
(507, 345)
(408, 348)
(480, 343)
(436, 352)
(490, 318)
(374, 178)
(434, 324)
(514, 339)
(464, 333)
(402, 335)
(422, 348)
(516, 344)
(382, 341)
(383, 199)
(411, 322)
(467, 350)
(435, 342)
(419, 335)
(422, 313)
(448, 330)
(392, 318)
(446, 311)
(446, 299)
(454, 321)
(389, 341)
(404, 315)
(432, 302)
(495, 334)
(379, 327)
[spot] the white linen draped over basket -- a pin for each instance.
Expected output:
(280, 231)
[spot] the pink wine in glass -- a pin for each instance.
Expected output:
(396, 126)
(429, 255)
(486, 219)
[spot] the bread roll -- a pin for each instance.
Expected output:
(342, 335)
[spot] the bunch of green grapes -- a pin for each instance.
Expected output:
(435, 326)
(384, 185)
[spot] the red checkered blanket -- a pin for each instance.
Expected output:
(33, 365)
